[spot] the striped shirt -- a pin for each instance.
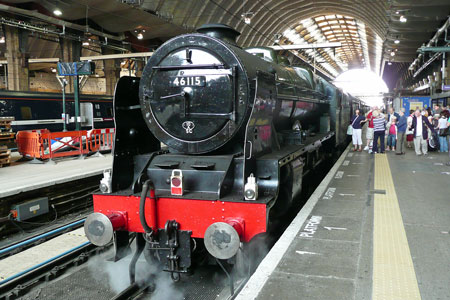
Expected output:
(379, 124)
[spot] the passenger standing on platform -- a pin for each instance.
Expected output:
(401, 129)
(392, 135)
(409, 132)
(369, 131)
(392, 114)
(419, 127)
(356, 135)
(437, 109)
(379, 127)
(443, 133)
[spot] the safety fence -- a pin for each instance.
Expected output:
(43, 144)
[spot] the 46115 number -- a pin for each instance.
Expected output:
(188, 81)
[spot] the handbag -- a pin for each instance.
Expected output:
(350, 127)
(443, 131)
(350, 130)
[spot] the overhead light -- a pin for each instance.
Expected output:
(85, 43)
(389, 63)
(397, 41)
(53, 70)
(277, 38)
(392, 53)
(397, 12)
(2, 40)
(403, 19)
(57, 12)
(96, 75)
(140, 36)
(247, 17)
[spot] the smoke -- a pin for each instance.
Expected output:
(165, 288)
(117, 275)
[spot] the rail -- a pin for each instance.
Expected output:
(43, 144)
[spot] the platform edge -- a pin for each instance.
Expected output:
(257, 281)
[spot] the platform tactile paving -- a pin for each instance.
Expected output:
(393, 270)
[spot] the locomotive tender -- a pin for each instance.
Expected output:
(241, 128)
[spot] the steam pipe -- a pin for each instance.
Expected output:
(148, 185)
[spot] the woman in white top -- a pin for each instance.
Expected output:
(443, 131)
(409, 132)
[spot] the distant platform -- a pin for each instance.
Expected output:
(25, 177)
(377, 227)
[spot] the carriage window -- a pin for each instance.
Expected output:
(25, 112)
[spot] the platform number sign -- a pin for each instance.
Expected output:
(76, 68)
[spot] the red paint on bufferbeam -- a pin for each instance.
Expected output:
(193, 215)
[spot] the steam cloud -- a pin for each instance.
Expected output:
(118, 278)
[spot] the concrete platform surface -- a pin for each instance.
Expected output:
(377, 227)
(25, 177)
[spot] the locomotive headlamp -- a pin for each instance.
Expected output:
(251, 188)
(176, 183)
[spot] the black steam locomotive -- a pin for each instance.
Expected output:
(240, 128)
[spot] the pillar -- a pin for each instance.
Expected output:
(112, 73)
(17, 58)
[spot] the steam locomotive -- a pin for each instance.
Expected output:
(240, 129)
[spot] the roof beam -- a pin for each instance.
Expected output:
(307, 46)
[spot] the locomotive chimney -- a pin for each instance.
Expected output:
(220, 31)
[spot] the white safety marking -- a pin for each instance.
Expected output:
(357, 163)
(334, 228)
(343, 195)
(339, 175)
(329, 193)
(346, 162)
(311, 227)
(350, 155)
(307, 252)
(351, 175)
(446, 173)
(273, 258)
(438, 164)
(445, 232)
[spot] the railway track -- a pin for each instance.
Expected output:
(38, 238)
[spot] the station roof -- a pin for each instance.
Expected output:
(372, 32)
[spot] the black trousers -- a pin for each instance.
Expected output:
(378, 135)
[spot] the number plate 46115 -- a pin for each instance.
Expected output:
(188, 81)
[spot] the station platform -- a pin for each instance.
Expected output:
(25, 177)
(377, 227)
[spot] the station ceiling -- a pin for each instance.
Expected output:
(372, 32)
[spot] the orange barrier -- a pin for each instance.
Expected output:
(43, 144)
(101, 139)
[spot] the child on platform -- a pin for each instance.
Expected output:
(392, 135)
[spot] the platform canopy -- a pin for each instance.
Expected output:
(372, 32)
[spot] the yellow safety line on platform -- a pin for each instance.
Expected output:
(393, 269)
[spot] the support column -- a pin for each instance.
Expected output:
(112, 73)
(17, 57)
